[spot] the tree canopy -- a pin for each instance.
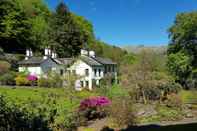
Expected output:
(182, 50)
(31, 24)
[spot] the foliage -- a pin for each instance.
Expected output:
(148, 77)
(189, 96)
(4, 67)
(179, 65)
(8, 78)
(31, 24)
(94, 102)
(112, 91)
(121, 112)
(52, 80)
(174, 101)
(107, 80)
(183, 47)
(164, 113)
(32, 79)
(21, 80)
(53, 104)
(12, 117)
(43, 82)
(94, 107)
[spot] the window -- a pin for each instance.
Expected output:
(81, 83)
(87, 83)
(74, 72)
(69, 72)
(61, 72)
(113, 68)
(95, 72)
(105, 69)
(99, 72)
(87, 72)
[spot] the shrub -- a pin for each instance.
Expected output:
(4, 67)
(43, 82)
(8, 78)
(21, 80)
(108, 80)
(121, 112)
(93, 107)
(174, 101)
(15, 118)
(112, 91)
(52, 80)
(32, 79)
(157, 89)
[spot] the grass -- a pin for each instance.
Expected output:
(163, 114)
(45, 97)
(189, 96)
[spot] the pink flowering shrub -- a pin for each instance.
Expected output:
(93, 102)
(32, 79)
(94, 107)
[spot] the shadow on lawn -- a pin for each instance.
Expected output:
(181, 127)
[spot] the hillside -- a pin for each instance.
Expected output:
(137, 49)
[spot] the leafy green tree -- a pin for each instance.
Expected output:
(183, 47)
(13, 25)
(68, 38)
(23, 25)
(179, 65)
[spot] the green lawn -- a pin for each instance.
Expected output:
(46, 98)
(189, 96)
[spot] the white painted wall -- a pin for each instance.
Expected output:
(32, 70)
(80, 67)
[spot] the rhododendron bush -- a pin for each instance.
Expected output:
(94, 107)
(33, 79)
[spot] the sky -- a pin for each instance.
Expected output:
(130, 22)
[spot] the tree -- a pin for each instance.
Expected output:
(12, 26)
(183, 35)
(179, 65)
(68, 38)
(22, 25)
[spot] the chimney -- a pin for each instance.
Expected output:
(92, 54)
(49, 52)
(27, 54)
(46, 53)
(84, 52)
(31, 53)
(53, 55)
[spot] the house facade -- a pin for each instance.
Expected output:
(88, 66)
(40, 65)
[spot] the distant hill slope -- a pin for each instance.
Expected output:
(137, 49)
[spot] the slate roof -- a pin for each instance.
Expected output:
(65, 61)
(32, 60)
(104, 61)
(35, 61)
(90, 61)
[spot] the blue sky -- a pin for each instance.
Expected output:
(130, 22)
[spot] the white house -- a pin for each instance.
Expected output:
(41, 65)
(90, 67)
